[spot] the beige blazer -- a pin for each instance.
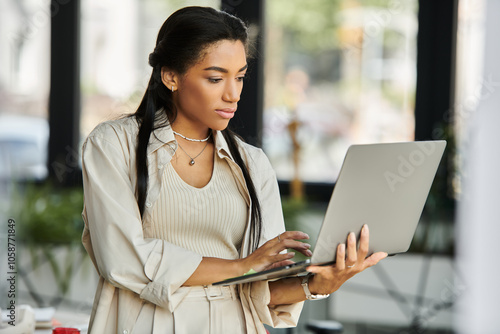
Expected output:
(135, 269)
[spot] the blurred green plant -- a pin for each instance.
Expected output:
(315, 27)
(50, 215)
(292, 208)
(436, 230)
(49, 225)
(303, 215)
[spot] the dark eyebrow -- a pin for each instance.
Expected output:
(223, 70)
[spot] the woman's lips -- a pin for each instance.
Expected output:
(226, 113)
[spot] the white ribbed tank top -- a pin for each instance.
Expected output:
(209, 221)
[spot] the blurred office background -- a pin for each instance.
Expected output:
(328, 74)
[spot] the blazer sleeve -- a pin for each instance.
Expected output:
(113, 235)
(277, 316)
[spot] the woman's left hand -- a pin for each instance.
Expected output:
(328, 279)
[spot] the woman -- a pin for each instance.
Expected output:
(174, 201)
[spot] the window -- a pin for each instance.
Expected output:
(117, 37)
(336, 73)
(24, 88)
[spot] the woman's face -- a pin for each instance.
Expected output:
(207, 94)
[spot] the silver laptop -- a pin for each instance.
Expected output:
(382, 185)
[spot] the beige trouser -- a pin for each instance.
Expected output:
(205, 310)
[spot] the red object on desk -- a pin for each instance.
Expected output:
(65, 330)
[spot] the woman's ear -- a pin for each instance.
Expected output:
(169, 78)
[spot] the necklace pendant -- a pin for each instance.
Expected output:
(191, 162)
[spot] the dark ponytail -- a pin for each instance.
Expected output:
(180, 44)
(256, 222)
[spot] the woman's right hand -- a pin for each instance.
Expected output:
(269, 255)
